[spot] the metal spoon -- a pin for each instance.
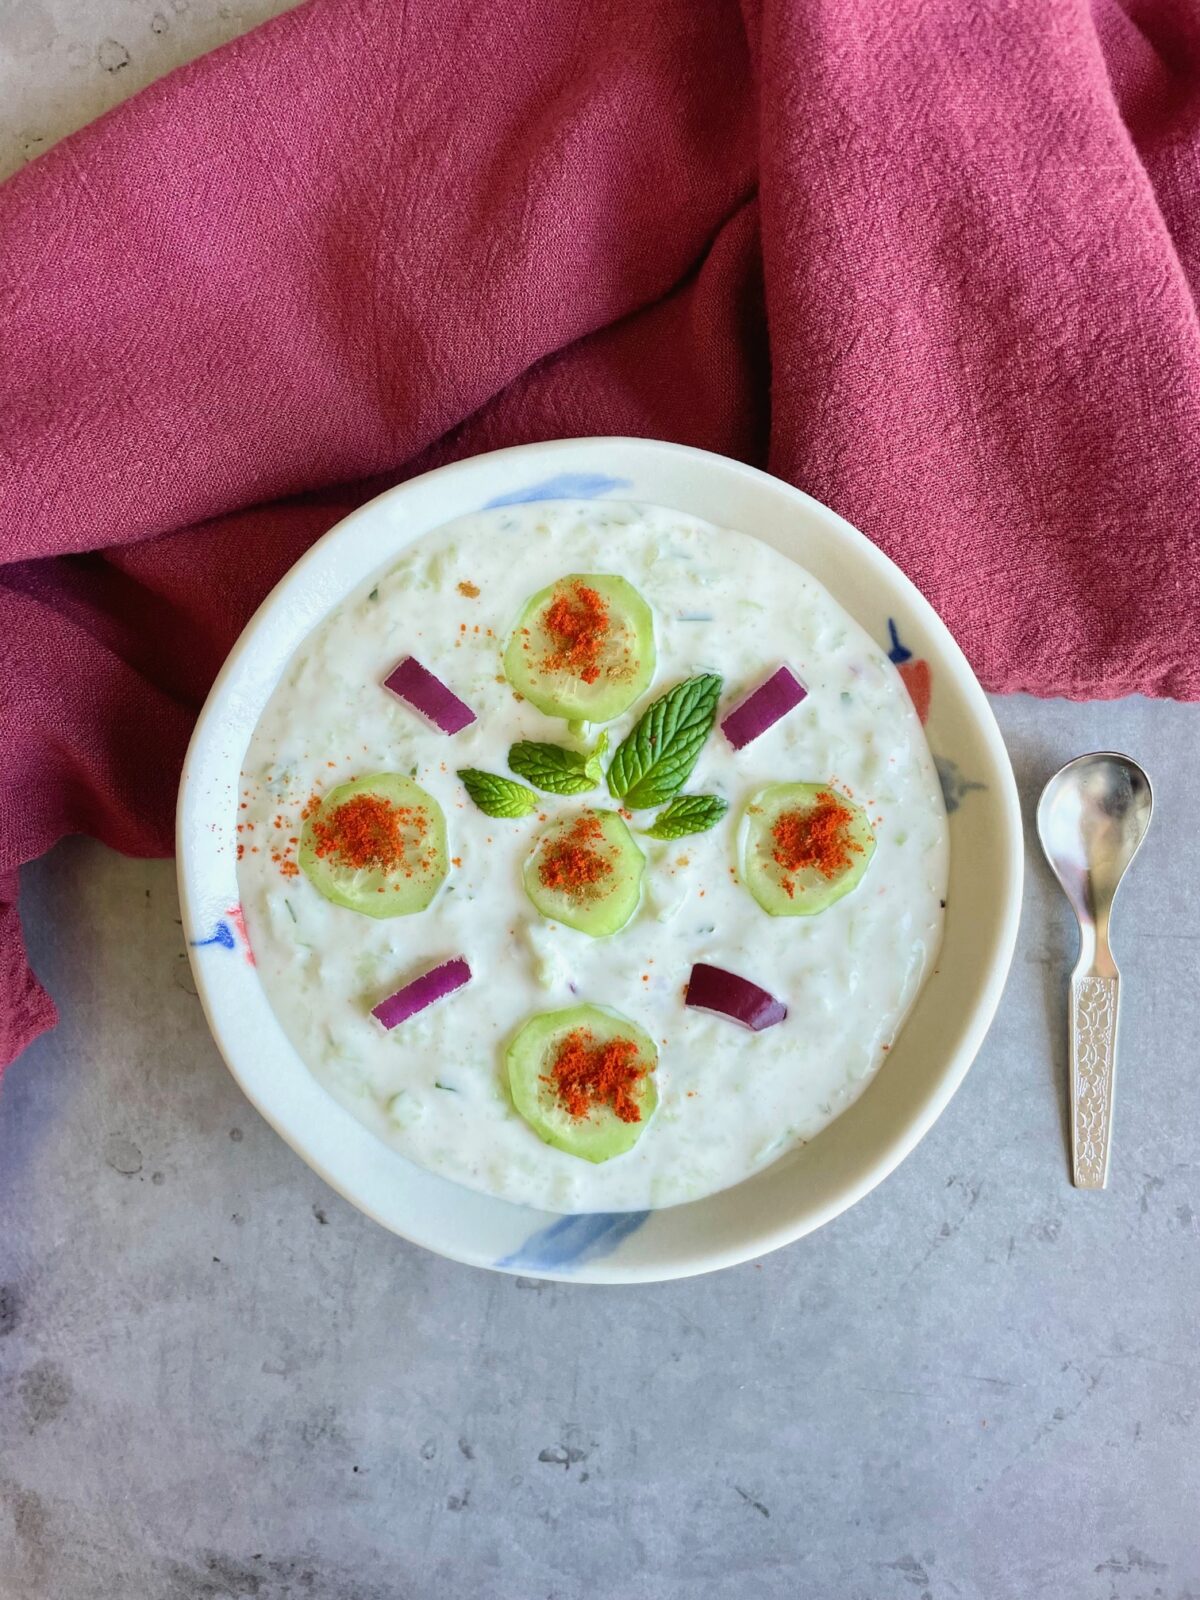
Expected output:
(1091, 818)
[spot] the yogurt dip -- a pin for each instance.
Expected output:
(729, 1101)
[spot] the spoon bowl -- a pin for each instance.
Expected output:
(1091, 820)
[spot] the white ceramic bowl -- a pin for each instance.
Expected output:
(938, 1041)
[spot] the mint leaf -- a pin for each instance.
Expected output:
(687, 813)
(656, 758)
(556, 770)
(550, 767)
(496, 796)
(593, 768)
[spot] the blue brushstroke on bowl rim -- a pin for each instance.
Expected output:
(563, 486)
(899, 652)
(954, 785)
(570, 1241)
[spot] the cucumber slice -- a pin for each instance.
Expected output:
(399, 813)
(600, 1133)
(598, 658)
(586, 870)
(780, 828)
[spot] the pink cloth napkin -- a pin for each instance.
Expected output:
(934, 262)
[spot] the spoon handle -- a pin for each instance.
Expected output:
(1093, 1067)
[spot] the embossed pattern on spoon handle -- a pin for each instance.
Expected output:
(1093, 1068)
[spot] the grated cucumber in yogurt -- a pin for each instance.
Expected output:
(730, 1101)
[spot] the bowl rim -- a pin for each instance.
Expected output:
(763, 1239)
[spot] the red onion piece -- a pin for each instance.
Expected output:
(429, 695)
(782, 692)
(433, 985)
(714, 989)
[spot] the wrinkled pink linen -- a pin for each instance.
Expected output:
(934, 262)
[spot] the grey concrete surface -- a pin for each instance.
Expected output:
(64, 62)
(218, 1380)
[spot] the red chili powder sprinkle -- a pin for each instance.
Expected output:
(469, 590)
(369, 831)
(571, 863)
(290, 869)
(577, 621)
(241, 851)
(586, 1075)
(815, 839)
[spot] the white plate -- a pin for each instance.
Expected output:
(938, 1041)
